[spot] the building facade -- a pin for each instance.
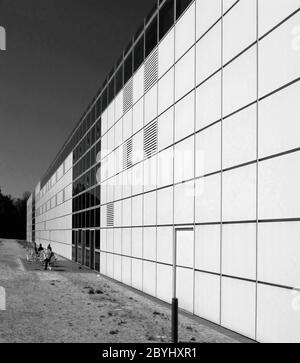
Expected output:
(193, 135)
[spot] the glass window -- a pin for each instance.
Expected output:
(98, 108)
(97, 261)
(166, 18)
(128, 68)
(111, 92)
(104, 99)
(151, 37)
(97, 240)
(119, 79)
(139, 53)
(181, 5)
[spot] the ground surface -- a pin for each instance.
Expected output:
(64, 306)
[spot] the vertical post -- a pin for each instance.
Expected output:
(174, 300)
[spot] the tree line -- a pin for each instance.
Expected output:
(13, 216)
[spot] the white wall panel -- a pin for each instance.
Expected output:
(208, 53)
(279, 125)
(208, 150)
(279, 56)
(208, 102)
(150, 209)
(207, 296)
(185, 117)
(238, 306)
(165, 206)
(137, 211)
(165, 245)
(138, 116)
(184, 203)
(165, 168)
(278, 315)
(165, 129)
(149, 250)
(208, 199)
(185, 74)
(240, 137)
(151, 105)
(164, 283)
(207, 248)
(119, 106)
(126, 271)
(207, 14)
(126, 241)
(137, 274)
(279, 253)
(239, 250)
(239, 194)
(127, 125)
(185, 248)
(279, 181)
(138, 84)
(149, 278)
(137, 242)
(185, 32)
(184, 285)
(166, 91)
(184, 160)
(166, 53)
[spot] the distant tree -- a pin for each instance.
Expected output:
(13, 216)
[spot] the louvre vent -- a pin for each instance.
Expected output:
(151, 71)
(110, 215)
(128, 97)
(150, 139)
(127, 155)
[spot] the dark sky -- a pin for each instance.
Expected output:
(58, 54)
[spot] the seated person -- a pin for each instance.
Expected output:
(48, 255)
(40, 249)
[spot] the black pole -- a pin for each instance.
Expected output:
(175, 320)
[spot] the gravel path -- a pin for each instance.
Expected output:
(71, 304)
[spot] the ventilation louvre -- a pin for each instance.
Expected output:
(110, 215)
(151, 71)
(127, 155)
(128, 97)
(150, 139)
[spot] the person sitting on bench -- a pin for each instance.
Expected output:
(48, 255)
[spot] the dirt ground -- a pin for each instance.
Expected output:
(75, 305)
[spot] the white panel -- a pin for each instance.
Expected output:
(111, 115)
(207, 248)
(279, 56)
(185, 117)
(138, 84)
(207, 296)
(240, 82)
(279, 125)
(165, 206)
(208, 150)
(118, 241)
(227, 4)
(165, 168)
(185, 74)
(185, 32)
(165, 245)
(279, 181)
(165, 129)
(184, 284)
(239, 250)
(126, 270)
(137, 211)
(208, 53)
(238, 306)
(239, 194)
(138, 116)
(119, 133)
(150, 209)
(151, 104)
(149, 244)
(137, 179)
(149, 278)
(239, 138)
(271, 13)
(150, 173)
(166, 53)
(103, 264)
(118, 268)
(239, 28)
(278, 315)
(164, 283)
(184, 203)
(166, 91)
(279, 253)
(208, 102)
(137, 242)
(184, 160)
(185, 248)
(207, 13)
(208, 199)
(137, 274)
(110, 265)
(126, 241)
